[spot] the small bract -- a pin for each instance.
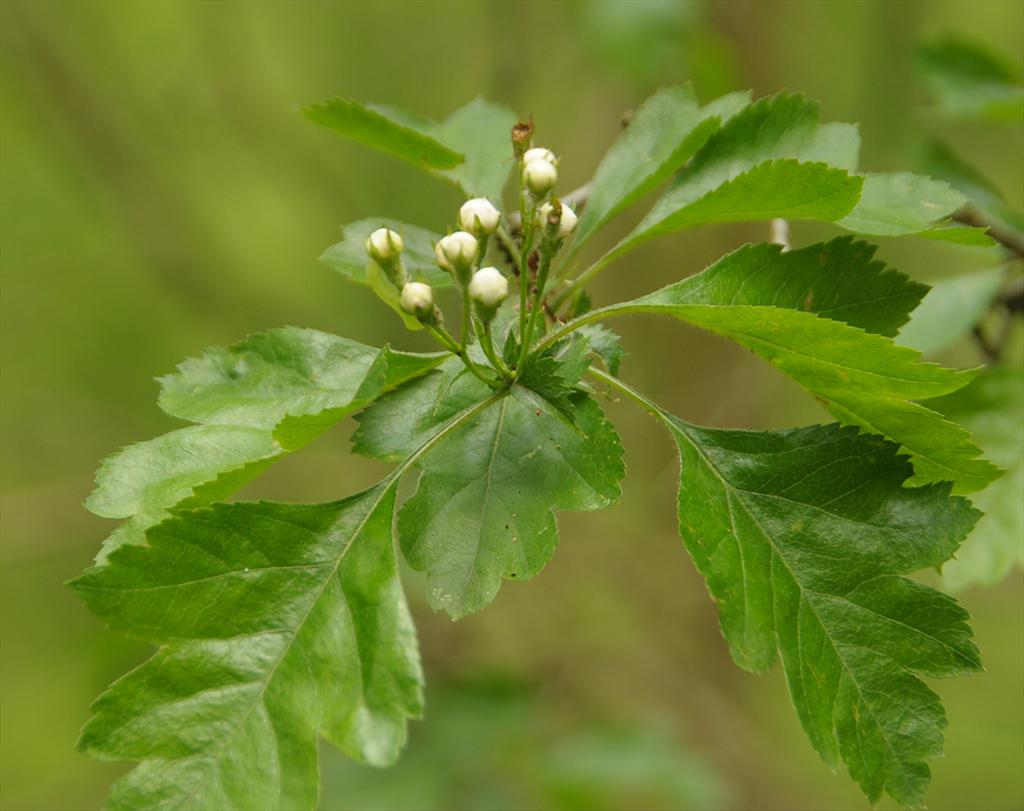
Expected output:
(568, 222)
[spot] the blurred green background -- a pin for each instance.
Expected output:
(161, 194)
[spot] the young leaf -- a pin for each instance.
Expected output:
(773, 159)
(992, 406)
(383, 130)
(901, 203)
(863, 377)
(554, 373)
(804, 537)
(752, 168)
(950, 310)
(349, 258)
(664, 133)
(257, 401)
(480, 130)
(483, 505)
(470, 148)
(277, 623)
(939, 160)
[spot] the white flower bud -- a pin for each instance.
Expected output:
(384, 245)
(456, 253)
(538, 153)
(540, 176)
(417, 299)
(567, 224)
(488, 288)
(478, 216)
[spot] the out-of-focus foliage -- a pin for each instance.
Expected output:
(970, 80)
(494, 744)
(993, 408)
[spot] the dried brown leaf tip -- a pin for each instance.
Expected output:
(522, 134)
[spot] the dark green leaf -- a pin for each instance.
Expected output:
(863, 377)
(483, 506)
(804, 537)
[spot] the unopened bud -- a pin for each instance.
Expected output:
(479, 216)
(567, 223)
(457, 253)
(488, 289)
(384, 246)
(540, 176)
(538, 153)
(418, 300)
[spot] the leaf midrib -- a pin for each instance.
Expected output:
(803, 596)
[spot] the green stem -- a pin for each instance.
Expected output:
(526, 213)
(587, 318)
(547, 251)
(449, 342)
(452, 424)
(484, 331)
(627, 391)
(484, 244)
(509, 244)
(583, 279)
(463, 342)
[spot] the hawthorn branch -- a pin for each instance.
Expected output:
(1009, 238)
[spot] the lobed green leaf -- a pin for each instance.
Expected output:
(278, 623)
(256, 402)
(863, 377)
(804, 537)
(483, 507)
